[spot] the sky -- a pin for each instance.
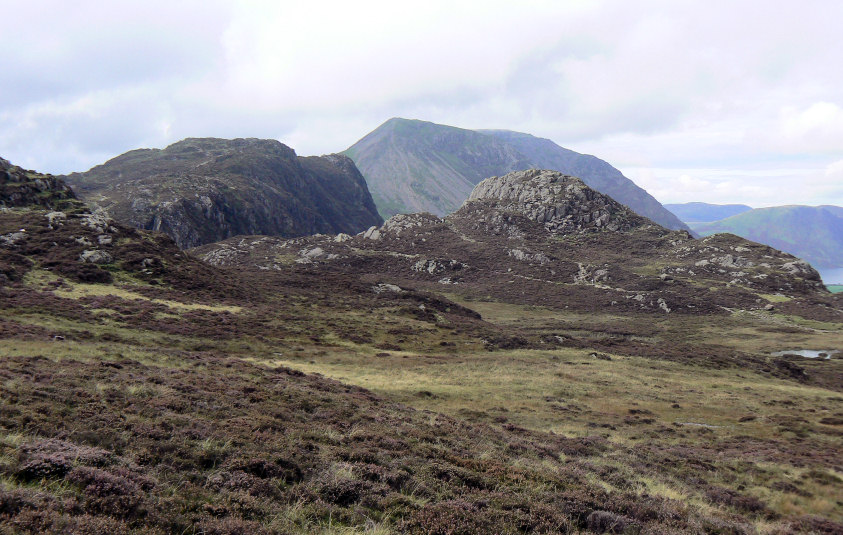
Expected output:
(716, 101)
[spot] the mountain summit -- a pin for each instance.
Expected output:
(414, 166)
(202, 190)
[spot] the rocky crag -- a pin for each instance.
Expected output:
(545, 238)
(44, 226)
(203, 190)
(416, 166)
(20, 188)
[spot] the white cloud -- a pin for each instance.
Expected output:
(819, 127)
(672, 87)
(755, 187)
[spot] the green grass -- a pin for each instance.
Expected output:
(631, 401)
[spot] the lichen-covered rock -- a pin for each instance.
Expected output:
(562, 203)
(95, 256)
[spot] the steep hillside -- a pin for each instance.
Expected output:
(417, 166)
(204, 190)
(701, 212)
(814, 234)
(414, 166)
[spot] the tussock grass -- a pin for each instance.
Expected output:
(632, 401)
(78, 290)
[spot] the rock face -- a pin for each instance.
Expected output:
(416, 166)
(204, 190)
(546, 239)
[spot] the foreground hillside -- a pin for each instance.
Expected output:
(813, 233)
(144, 391)
(416, 166)
(204, 190)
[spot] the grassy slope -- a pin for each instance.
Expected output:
(177, 413)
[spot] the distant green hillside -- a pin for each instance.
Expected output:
(702, 212)
(418, 166)
(814, 234)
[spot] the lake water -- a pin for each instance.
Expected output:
(810, 353)
(831, 275)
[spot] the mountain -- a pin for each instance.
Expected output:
(700, 212)
(202, 190)
(414, 166)
(836, 210)
(814, 234)
(541, 361)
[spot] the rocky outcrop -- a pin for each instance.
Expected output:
(22, 188)
(562, 203)
(204, 190)
(44, 226)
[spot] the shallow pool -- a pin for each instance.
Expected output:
(810, 353)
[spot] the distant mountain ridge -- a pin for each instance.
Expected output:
(202, 190)
(701, 212)
(413, 166)
(813, 233)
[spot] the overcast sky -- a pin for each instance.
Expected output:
(717, 101)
